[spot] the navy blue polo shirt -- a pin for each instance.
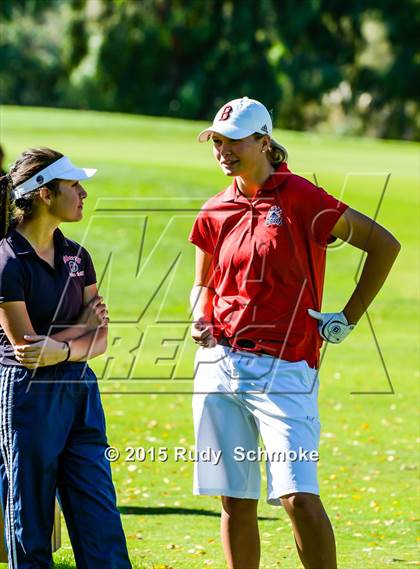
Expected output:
(53, 296)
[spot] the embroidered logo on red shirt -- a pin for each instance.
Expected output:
(274, 216)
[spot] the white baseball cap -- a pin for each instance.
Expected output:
(238, 119)
(61, 169)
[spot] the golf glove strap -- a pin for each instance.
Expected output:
(332, 326)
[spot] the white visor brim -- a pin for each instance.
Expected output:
(61, 169)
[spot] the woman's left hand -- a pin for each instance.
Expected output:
(40, 351)
(333, 327)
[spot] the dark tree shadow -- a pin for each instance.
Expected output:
(164, 511)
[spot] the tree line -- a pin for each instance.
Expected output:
(348, 67)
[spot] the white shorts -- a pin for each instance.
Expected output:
(240, 397)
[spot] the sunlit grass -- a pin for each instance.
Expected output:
(152, 177)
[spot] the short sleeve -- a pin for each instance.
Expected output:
(90, 273)
(203, 233)
(12, 287)
(320, 211)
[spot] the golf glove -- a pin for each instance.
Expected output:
(332, 326)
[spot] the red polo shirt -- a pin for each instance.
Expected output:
(269, 255)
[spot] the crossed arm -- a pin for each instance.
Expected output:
(87, 338)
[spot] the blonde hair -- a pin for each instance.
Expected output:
(276, 152)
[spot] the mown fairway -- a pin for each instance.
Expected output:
(152, 178)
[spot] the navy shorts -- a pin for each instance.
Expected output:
(52, 442)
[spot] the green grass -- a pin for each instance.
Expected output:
(152, 174)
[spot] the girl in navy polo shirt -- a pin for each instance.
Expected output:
(52, 426)
(256, 300)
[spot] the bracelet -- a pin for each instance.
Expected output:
(68, 350)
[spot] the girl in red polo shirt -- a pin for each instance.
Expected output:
(260, 263)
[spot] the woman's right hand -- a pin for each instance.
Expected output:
(202, 333)
(94, 314)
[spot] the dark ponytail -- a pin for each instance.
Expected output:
(6, 189)
(27, 165)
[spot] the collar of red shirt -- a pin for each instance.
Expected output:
(274, 181)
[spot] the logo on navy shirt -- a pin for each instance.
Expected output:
(274, 216)
(74, 267)
(73, 264)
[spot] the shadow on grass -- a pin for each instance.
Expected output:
(140, 511)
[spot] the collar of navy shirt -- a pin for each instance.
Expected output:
(21, 246)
